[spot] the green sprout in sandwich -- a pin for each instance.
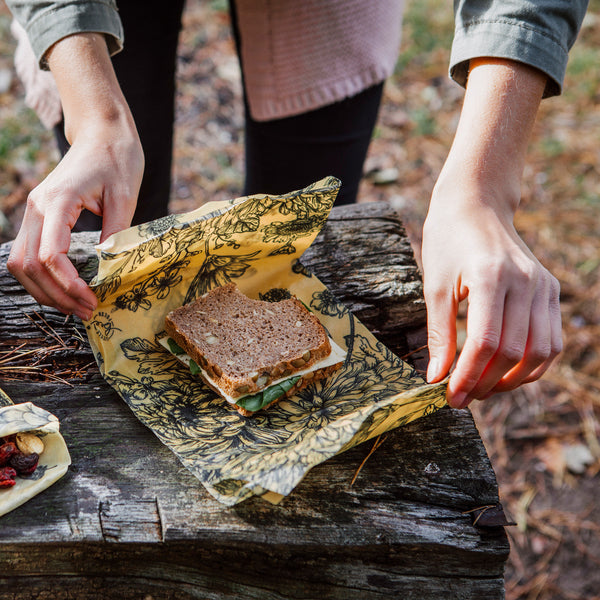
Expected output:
(175, 348)
(265, 397)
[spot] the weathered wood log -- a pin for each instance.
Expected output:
(129, 521)
(362, 255)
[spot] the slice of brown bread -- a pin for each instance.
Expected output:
(245, 344)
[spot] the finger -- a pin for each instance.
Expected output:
(484, 328)
(60, 274)
(516, 330)
(117, 218)
(556, 341)
(441, 332)
(43, 287)
(544, 340)
(14, 265)
(25, 263)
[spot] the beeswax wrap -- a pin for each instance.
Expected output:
(54, 460)
(256, 241)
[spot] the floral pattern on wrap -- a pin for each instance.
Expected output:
(257, 241)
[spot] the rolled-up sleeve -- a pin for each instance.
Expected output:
(539, 33)
(48, 22)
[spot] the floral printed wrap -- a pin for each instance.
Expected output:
(256, 241)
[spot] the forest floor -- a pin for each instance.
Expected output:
(543, 439)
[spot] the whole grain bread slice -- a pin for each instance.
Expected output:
(245, 344)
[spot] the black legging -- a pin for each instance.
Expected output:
(281, 155)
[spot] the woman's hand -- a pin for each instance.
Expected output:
(102, 171)
(513, 317)
(472, 251)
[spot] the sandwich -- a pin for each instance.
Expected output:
(251, 352)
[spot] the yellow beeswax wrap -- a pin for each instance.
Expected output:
(54, 460)
(256, 241)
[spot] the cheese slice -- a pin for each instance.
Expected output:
(336, 356)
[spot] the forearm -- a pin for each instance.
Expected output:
(500, 105)
(87, 84)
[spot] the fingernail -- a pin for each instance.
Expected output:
(84, 315)
(465, 403)
(88, 305)
(459, 400)
(433, 369)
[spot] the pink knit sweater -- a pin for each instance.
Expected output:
(298, 55)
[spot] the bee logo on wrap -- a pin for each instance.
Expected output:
(103, 326)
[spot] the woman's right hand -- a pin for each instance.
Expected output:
(102, 172)
(471, 249)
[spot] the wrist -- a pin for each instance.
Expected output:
(461, 198)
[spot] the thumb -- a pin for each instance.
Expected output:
(116, 217)
(441, 333)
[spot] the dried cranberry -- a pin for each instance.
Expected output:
(7, 451)
(7, 477)
(24, 464)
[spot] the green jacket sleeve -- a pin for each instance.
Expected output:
(48, 22)
(539, 33)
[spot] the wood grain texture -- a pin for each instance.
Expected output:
(364, 257)
(129, 521)
(362, 254)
